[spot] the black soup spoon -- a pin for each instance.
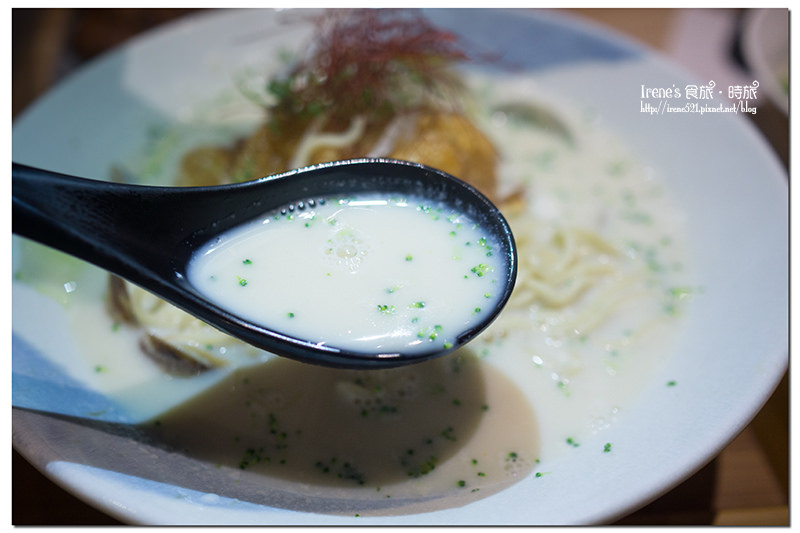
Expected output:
(147, 235)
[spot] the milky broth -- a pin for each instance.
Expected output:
(371, 274)
(603, 285)
(408, 439)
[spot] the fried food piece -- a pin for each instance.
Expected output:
(450, 142)
(444, 140)
(265, 152)
(208, 165)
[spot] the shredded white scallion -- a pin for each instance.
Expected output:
(313, 140)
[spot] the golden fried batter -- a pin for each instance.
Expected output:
(208, 165)
(444, 140)
(451, 143)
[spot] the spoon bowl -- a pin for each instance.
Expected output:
(148, 234)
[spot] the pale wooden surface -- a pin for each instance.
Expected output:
(747, 484)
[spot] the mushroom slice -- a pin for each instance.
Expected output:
(118, 301)
(180, 343)
(172, 359)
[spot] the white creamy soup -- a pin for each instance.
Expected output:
(602, 286)
(408, 439)
(371, 274)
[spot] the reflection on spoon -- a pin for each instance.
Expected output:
(440, 433)
(148, 236)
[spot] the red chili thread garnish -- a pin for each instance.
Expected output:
(371, 62)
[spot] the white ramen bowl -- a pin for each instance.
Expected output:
(731, 353)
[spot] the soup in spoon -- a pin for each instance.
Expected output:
(373, 273)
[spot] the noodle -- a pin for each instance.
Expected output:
(313, 140)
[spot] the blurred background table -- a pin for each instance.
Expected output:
(746, 484)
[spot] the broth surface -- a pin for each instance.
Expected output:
(372, 274)
(602, 287)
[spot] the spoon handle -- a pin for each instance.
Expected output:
(98, 221)
(140, 233)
